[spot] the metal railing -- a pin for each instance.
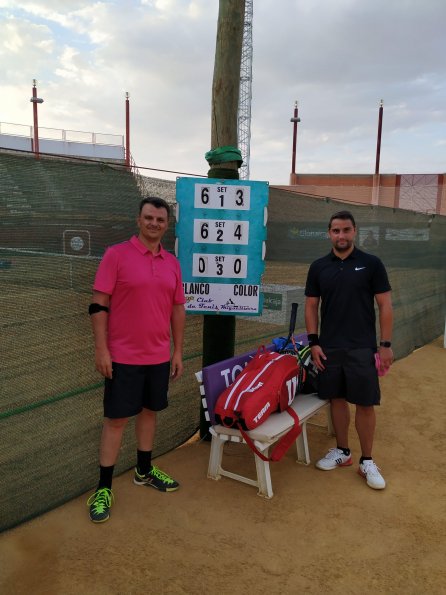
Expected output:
(76, 136)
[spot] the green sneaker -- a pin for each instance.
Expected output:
(100, 503)
(157, 479)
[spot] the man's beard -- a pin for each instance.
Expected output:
(343, 248)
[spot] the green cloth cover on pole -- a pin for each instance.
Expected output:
(224, 155)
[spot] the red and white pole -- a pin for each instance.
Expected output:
(378, 142)
(127, 130)
(295, 119)
(35, 100)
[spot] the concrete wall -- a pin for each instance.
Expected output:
(382, 190)
(69, 148)
(17, 143)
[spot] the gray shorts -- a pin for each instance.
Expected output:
(350, 374)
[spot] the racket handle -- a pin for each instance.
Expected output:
(294, 306)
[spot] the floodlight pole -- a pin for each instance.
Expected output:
(295, 119)
(375, 187)
(378, 142)
(35, 100)
(127, 130)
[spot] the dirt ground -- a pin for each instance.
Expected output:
(322, 532)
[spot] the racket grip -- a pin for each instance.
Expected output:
(294, 306)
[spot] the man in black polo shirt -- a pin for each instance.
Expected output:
(345, 284)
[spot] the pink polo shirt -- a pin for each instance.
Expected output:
(143, 289)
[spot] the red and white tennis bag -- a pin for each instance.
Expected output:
(268, 384)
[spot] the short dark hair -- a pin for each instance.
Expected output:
(158, 203)
(342, 215)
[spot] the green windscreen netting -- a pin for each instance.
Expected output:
(56, 218)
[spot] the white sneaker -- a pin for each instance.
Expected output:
(335, 457)
(371, 474)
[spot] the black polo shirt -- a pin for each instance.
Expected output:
(347, 289)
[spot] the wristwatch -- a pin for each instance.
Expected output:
(385, 344)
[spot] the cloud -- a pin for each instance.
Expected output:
(338, 58)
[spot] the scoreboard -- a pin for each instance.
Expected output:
(220, 242)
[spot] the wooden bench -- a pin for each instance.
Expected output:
(213, 380)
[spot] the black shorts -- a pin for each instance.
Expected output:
(133, 388)
(350, 374)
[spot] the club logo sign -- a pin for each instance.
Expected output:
(76, 242)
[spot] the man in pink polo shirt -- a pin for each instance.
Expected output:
(138, 303)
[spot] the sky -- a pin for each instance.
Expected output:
(337, 58)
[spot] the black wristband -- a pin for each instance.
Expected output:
(313, 339)
(95, 308)
(385, 344)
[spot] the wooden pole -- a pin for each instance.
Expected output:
(226, 82)
(219, 331)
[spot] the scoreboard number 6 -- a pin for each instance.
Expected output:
(204, 232)
(205, 195)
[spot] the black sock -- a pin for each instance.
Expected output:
(346, 451)
(144, 463)
(362, 459)
(105, 477)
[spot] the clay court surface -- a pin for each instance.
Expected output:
(322, 532)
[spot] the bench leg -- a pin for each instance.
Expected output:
(215, 469)
(215, 457)
(264, 476)
(303, 452)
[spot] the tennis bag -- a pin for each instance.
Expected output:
(268, 384)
